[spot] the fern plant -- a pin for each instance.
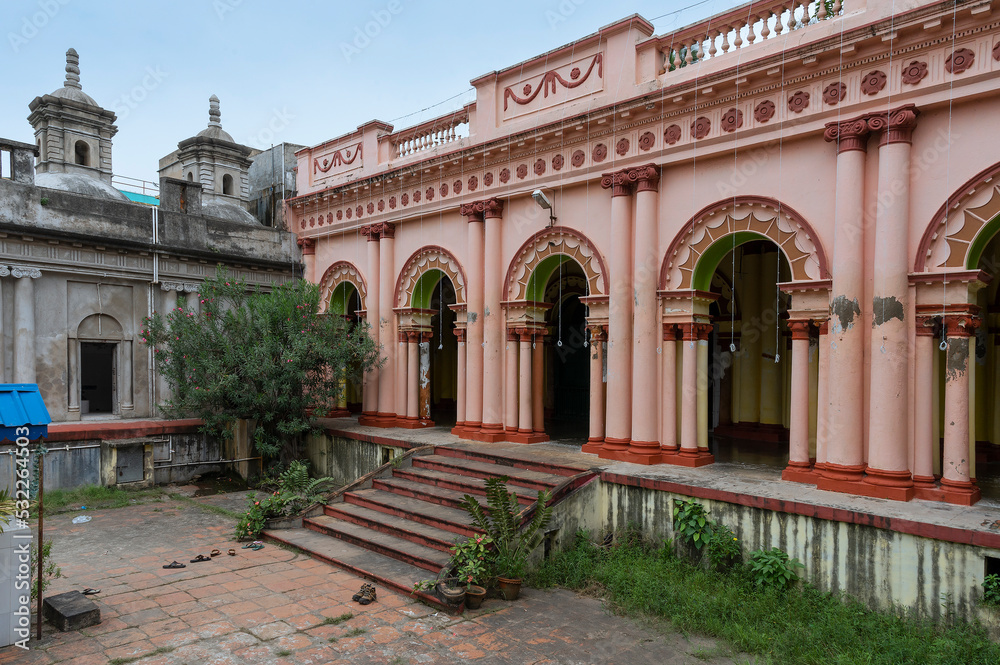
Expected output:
(511, 545)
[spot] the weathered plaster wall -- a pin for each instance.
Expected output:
(346, 459)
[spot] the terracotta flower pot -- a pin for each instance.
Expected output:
(474, 596)
(510, 589)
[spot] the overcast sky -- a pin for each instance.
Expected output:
(297, 71)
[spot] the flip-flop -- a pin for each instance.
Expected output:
(250, 546)
(199, 558)
(215, 553)
(257, 546)
(90, 592)
(232, 552)
(175, 564)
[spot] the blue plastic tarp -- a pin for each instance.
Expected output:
(21, 406)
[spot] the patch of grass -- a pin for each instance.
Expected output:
(336, 621)
(283, 652)
(332, 640)
(354, 632)
(96, 497)
(132, 659)
(798, 625)
(218, 510)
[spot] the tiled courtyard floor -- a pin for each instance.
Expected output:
(271, 606)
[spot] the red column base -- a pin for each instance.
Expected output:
(639, 452)
(466, 429)
(799, 473)
(687, 457)
(593, 446)
(878, 484)
(370, 419)
(840, 473)
(338, 413)
(489, 434)
(960, 493)
(415, 423)
(527, 437)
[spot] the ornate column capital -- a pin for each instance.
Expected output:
(691, 332)
(493, 208)
(371, 232)
(849, 134)
(525, 334)
(386, 230)
(476, 211)
(961, 324)
(927, 325)
(618, 182)
(823, 326)
(425, 336)
(669, 332)
(896, 126)
(647, 176)
(800, 328)
(460, 335)
(308, 246)
(598, 333)
(512, 335)
(621, 183)
(18, 272)
(473, 212)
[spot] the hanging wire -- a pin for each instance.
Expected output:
(441, 314)
(947, 203)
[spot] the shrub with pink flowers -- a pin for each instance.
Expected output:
(236, 351)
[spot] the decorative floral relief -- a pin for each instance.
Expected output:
(996, 51)
(960, 60)
(350, 213)
(798, 102)
(672, 134)
(358, 211)
(371, 208)
(416, 196)
(646, 141)
(473, 183)
(303, 224)
(732, 120)
(834, 93)
(457, 186)
(488, 179)
(600, 152)
(701, 127)
(329, 218)
(914, 72)
(404, 199)
(558, 162)
(539, 166)
(505, 175)
(430, 193)
(622, 147)
(578, 158)
(522, 170)
(312, 221)
(444, 189)
(764, 111)
(381, 205)
(340, 215)
(873, 82)
(392, 203)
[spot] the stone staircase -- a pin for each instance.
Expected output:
(399, 530)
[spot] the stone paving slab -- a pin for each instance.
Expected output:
(272, 606)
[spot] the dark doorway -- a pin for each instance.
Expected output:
(97, 377)
(567, 399)
(444, 354)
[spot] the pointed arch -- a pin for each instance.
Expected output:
(337, 274)
(963, 225)
(741, 220)
(423, 261)
(543, 248)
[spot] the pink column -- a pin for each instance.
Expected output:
(413, 375)
(799, 468)
(511, 381)
(424, 378)
(369, 397)
(690, 454)
(668, 390)
(524, 424)
(460, 388)
(538, 386)
(844, 425)
(618, 429)
(387, 325)
(493, 321)
(597, 337)
(403, 378)
(644, 447)
(888, 472)
(923, 406)
(308, 246)
(474, 321)
(955, 482)
(822, 392)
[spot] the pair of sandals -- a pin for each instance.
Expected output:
(366, 595)
(200, 558)
(255, 546)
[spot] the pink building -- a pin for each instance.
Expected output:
(770, 235)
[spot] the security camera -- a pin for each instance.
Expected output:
(541, 199)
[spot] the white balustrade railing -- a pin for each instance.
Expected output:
(740, 28)
(430, 135)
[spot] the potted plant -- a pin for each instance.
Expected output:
(511, 544)
(471, 561)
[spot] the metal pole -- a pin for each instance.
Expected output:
(41, 540)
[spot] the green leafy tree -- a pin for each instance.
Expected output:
(256, 355)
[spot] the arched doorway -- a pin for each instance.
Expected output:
(984, 366)
(749, 354)
(434, 294)
(343, 293)
(566, 365)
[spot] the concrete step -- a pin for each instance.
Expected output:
(400, 549)
(507, 458)
(400, 527)
(449, 519)
(535, 480)
(425, 492)
(461, 483)
(385, 571)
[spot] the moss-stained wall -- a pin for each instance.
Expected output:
(346, 459)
